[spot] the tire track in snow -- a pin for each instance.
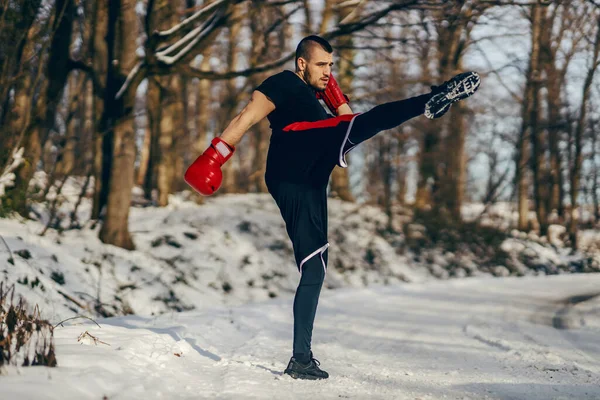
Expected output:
(560, 353)
(564, 318)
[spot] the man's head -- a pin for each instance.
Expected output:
(313, 61)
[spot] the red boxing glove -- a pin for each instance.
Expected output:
(333, 95)
(204, 175)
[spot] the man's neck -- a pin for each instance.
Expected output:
(300, 76)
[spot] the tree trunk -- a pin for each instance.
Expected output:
(17, 44)
(230, 183)
(170, 109)
(554, 85)
(428, 175)
(594, 154)
(20, 115)
(87, 145)
(115, 229)
(387, 178)
(66, 160)
(401, 173)
(452, 184)
(429, 138)
(142, 170)
(189, 93)
(259, 18)
(554, 174)
(536, 135)
(101, 49)
(326, 16)
(56, 71)
(171, 113)
(528, 112)
(153, 111)
(340, 178)
(456, 172)
(307, 28)
(203, 113)
(578, 156)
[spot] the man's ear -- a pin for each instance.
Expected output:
(301, 64)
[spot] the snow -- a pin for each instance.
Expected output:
(203, 307)
(232, 250)
(478, 338)
(7, 177)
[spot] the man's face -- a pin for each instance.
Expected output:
(316, 69)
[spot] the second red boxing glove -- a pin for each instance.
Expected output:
(204, 175)
(333, 95)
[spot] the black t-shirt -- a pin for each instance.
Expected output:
(294, 100)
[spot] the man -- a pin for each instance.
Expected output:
(306, 144)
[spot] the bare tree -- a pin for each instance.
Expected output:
(18, 35)
(122, 53)
(170, 110)
(575, 177)
(35, 133)
(594, 154)
(340, 179)
(231, 95)
(111, 67)
(529, 111)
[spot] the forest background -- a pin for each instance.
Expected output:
(126, 94)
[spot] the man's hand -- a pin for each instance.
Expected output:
(204, 175)
(333, 96)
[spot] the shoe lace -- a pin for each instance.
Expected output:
(315, 361)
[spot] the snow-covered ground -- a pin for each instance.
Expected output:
(234, 250)
(477, 338)
(211, 288)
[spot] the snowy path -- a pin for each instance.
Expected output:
(461, 339)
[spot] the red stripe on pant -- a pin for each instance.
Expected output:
(325, 123)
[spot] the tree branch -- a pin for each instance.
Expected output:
(169, 32)
(342, 30)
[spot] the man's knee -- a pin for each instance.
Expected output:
(313, 270)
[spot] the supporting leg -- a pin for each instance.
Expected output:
(305, 304)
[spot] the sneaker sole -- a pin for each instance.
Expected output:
(296, 375)
(467, 83)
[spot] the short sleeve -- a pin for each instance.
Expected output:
(274, 88)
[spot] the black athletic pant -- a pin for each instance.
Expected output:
(299, 164)
(386, 116)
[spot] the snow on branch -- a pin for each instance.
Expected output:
(181, 42)
(341, 30)
(199, 33)
(132, 74)
(184, 45)
(192, 18)
(7, 179)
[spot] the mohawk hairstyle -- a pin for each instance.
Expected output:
(303, 49)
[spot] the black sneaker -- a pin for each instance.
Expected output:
(311, 371)
(458, 88)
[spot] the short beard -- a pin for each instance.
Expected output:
(306, 76)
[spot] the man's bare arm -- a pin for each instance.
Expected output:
(259, 107)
